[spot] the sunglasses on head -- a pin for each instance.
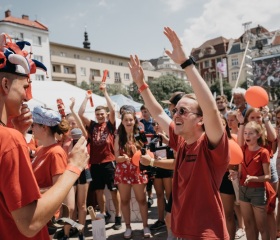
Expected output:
(183, 111)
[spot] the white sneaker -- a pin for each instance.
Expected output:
(147, 232)
(239, 233)
(127, 234)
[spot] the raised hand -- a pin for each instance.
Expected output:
(177, 55)
(136, 70)
(102, 87)
(239, 116)
(72, 99)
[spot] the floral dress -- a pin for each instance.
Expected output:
(128, 173)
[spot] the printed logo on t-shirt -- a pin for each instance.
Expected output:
(190, 158)
(99, 135)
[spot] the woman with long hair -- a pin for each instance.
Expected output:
(128, 175)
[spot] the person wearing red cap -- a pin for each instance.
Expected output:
(24, 211)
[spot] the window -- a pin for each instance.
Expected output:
(126, 76)
(118, 77)
(62, 54)
(207, 64)
(120, 64)
(234, 61)
(234, 76)
(67, 70)
(95, 72)
(77, 56)
(56, 68)
(83, 71)
(39, 77)
(89, 58)
(100, 60)
(37, 40)
(38, 58)
(111, 62)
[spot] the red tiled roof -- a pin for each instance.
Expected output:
(276, 40)
(25, 22)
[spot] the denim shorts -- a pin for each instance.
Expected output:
(274, 169)
(255, 196)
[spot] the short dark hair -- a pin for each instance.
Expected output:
(98, 108)
(143, 107)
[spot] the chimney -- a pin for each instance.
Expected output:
(7, 13)
(25, 17)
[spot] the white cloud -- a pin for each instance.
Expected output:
(174, 5)
(102, 3)
(225, 18)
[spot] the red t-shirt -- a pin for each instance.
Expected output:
(197, 210)
(48, 162)
(101, 142)
(252, 165)
(18, 186)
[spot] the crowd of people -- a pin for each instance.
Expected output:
(49, 158)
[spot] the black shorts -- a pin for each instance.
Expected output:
(226, 185)
(163, 173)
(85, 177)
(103, 174)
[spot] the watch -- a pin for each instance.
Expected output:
(190, 61)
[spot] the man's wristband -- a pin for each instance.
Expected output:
(152, 161)
(73, 169)
(143, 87)
(241, 123)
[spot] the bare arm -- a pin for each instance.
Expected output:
(110, 103)
(151, 103)
(212, 120)
(31, 218)
(81, 112)
(119, 158)
(77, 118)
(162, 163)
(263, 178)
(240, 133)
(270, 130)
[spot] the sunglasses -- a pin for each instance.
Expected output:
(155, 124)
(183, 111)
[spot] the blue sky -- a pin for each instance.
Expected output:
(126, 27)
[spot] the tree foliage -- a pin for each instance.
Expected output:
(112, 89)
(226, 88)
(162, 88)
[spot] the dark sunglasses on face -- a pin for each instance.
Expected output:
(155, 124)
(183, 111)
